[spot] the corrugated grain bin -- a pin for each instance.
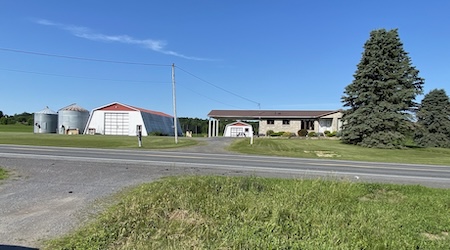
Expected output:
(72, 119)
(45, 121)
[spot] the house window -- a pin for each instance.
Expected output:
(270, 122)
(307, 124)
(286, 122)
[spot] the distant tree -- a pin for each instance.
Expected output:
(196, 125)
(433, 120)
(4, 120)
(23, 117)
(1, 114)
(381, 96)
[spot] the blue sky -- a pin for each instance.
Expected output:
(284, 55)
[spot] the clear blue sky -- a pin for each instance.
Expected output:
(284, 55)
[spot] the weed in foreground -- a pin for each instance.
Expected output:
(254, 213)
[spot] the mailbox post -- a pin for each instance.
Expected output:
(139, 135)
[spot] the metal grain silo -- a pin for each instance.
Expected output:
(72, 119)
(45, 121)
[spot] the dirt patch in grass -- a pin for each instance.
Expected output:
(441, 236)
(326, 154)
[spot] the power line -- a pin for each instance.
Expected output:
(120, 62)
(82, 77)
(82, 58)
(216, 86)
(207, 97)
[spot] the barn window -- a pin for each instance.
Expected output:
(286, 122)
(271, 121)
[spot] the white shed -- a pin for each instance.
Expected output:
(120, 119)
(238, 129)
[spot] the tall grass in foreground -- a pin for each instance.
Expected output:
(260, 213)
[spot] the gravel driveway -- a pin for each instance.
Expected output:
(47, 198)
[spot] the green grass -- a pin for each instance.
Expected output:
(260, 213)
(16, 128)
(334, 149)
(93, 141)
(3, 174)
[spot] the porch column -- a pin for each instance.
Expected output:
(217, 127)
(209, 128)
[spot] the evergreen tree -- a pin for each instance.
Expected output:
(382, 94)
(433, 120)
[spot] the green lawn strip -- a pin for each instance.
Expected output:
(16, 128)
(334, 149)
(3, 174)
(262, 213)
(93, 141)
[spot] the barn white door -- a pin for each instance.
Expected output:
(116, 123)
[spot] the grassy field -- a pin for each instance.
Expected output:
(260, 213)
(16, 128)
(93, 141)
(334, 149)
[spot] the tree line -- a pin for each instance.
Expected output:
(23, 118)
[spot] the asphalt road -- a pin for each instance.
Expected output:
(53, 189)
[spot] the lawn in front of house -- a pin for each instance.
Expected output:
(335, 149)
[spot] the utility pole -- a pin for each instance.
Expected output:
(175, 120)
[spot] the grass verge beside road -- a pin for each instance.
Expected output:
(3, 174)
(334, 149)
(263, 213)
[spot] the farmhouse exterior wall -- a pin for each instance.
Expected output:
(293, 126)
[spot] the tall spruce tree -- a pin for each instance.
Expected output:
(381, 96)
(433, 120)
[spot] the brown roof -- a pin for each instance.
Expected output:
(258, 114)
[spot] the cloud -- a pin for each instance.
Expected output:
(86, 33)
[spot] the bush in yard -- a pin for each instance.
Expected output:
(269, 132)
(330, 134)
(277, 133)
(312, 134)
(288, 134)
(302, 132)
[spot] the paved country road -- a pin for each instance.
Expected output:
(53, 189)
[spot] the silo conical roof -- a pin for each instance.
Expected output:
(74, 107)
(47, 111)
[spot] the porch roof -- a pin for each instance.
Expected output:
(269, 114)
